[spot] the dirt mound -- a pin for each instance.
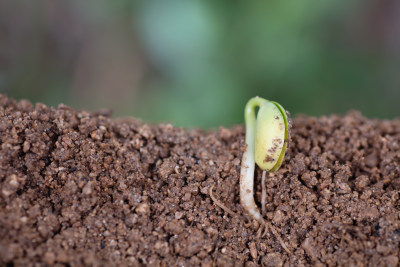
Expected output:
(84, 189)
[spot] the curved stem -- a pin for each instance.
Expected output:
(248, 162)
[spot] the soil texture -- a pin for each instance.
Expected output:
(83, 189)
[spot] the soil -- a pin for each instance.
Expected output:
(79, 188)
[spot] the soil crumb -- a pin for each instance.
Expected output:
(83, 189)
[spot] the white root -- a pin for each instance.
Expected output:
(263, 193)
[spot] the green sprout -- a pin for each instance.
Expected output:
(266, 140)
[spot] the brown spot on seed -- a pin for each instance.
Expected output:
(269, 159)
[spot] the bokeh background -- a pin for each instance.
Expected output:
(196, 63)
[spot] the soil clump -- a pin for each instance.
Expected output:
(80, 188)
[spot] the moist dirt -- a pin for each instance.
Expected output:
(80, 188)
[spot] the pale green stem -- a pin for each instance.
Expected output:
(248, 162)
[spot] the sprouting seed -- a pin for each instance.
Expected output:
(266, 140)
(266, 143)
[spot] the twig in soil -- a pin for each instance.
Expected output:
(357, 230)
(219, 204)
(269, 226)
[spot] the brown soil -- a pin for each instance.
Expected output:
(84, 189)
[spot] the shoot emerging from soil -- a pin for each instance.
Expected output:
(266, 140)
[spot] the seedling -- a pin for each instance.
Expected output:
(266, 143)
(266, 140)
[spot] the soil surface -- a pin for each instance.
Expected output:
(79, 188)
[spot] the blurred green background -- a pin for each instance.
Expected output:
(196, 63)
